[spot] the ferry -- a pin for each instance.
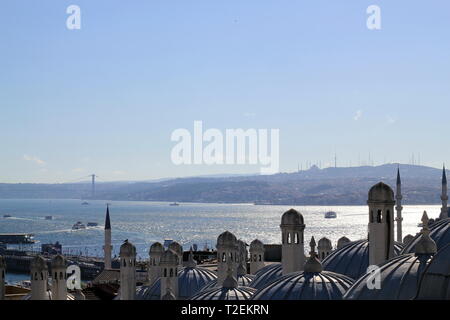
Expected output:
(92, 224)
(85, 203)
(7, 216)
(79, 225)
(48, 217)
(330, 215)
(174, 204)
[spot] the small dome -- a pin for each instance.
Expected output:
(242, 281)
(324, 244)
(439, 232)
(58, 262)
(239, 293)
(2, 263)
(292, 217)
(407, 239)
(306, 286)
(352, 259)
(267, 275)
(127, 249)
(342, 242)
(190, 281)
(399, 279)
(38, 263)
(256, 245)
(176, 247)
(434, 284)
(226, 239)
(381, 192)
(156, 248)
(169, 258)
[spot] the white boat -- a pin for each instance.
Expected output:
(174, 204)
(79, 225)
(330, 215)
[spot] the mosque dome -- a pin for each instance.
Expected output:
(226, 238)
(399, 280)
(190, 281)
(156, 248)
(256, 245)
(38, 263)
(434, 283)
(242, 280)
(301, 285)
(176, 247)
(352, 259)
(342, 242)
(267, 275)
(223, 293)
(324, 243)
(292, 217)
(127, 249)
(381, 192)
(58, 262)
(169, 257)
(439, 232)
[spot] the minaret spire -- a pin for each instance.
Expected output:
(107, 248)
(399, 207)
(444, 196)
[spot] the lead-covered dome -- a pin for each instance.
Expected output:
(244, 280)
(38, 263)
(176, 247)
(256, 245)
(239, 293)
(127, 249)
(292, 217)
(190, 281)
(306, 286)
(439, 232)
(58, 262)
(226, 238)
(267, 275)
(381, 192)
(156, 248)
(352, 259)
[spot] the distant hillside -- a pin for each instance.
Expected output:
(331, 186)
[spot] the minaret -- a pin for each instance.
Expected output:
(399, 207)
(2, 278)
(292, 252)
(227, 256)
(107, 248)
(169, 278)
(127, 271)
(59, 278)
(444, 196)
(324, 248)
(39, 277)
(256, 256)
(381, 223)
(154, 269)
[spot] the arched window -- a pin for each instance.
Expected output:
(371, 216)
(379, 216)
(124, 263)
(56, 276)
(260, 257)
(289, 238)
(224, 257)
(61, 275)
(296, 238)
(165, 272)
(171, 272)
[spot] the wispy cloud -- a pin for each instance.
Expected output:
(358, 115)
(390, 120)
(34, 159)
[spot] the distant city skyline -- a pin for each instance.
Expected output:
(105, 99)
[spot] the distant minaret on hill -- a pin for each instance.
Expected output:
(399, 207)
(444, 196)
(107, 248)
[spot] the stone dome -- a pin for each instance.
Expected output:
(434, 284)
(226, 238)
(176, 247)
(190, 281)
(242, 281)
(325, 244)
(306, 286)
(439, 232)
(399, 280)
(256, 245)
(169, 257)
(292, 217)
(58, 262)
(342, 242)
(352, 260)
(381, 192)
(267, 275)
(38, 263)
(156, 248)
(127, 249)
(239, 293)
(407, 239)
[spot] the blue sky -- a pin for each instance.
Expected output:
(106, 98)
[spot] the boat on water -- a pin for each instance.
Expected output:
(330, 215)
(7, 216)
(79, 225)
(92, 224)
(174, 204)
(85, 203)
(48, 217)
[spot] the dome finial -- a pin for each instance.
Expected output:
(426, 245)
(313, 264)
